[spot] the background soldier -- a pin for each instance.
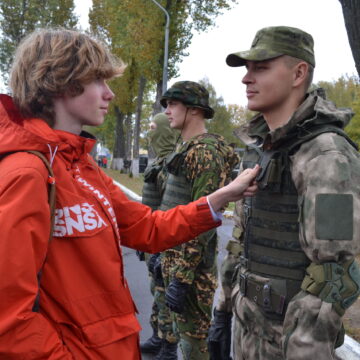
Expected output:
(295, 241)
(201, 164)
(163, 141)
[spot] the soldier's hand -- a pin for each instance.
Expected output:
(243, 185)
(219, 339)
(175, 296)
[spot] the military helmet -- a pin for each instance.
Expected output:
(190, 94)
(274, 41)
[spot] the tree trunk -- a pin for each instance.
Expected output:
(119, 147)
(140, 97)
(129, 134)
(351, 12)
(157, 107)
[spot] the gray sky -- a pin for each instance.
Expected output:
(236, 29)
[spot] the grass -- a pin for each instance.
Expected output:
(135, 184)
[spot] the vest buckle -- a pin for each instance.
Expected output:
(242, 284)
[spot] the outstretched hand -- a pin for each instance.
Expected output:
(242, 185)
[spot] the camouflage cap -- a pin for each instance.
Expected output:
(271, 42)
(191, 94)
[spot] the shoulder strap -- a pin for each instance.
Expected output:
(52, 189)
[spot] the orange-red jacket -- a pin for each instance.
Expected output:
(86, 310)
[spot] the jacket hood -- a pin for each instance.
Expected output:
(314, 111)
(20, 134)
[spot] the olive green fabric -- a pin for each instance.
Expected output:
(271, 42)
(163, 138)
(334, 283)
(334, 206)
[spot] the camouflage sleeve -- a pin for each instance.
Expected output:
(231, 260)
(206, 172)
(326, 172)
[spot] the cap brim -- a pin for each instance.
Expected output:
(240, 58)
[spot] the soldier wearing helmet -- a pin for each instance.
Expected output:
(201, 164)
(290, 272)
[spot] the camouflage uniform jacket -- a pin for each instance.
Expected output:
(325, 165)
(208, 162)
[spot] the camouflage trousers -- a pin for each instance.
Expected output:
(160, 318)
(303, 335)
(193, 324)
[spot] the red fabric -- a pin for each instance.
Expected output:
(86, 309)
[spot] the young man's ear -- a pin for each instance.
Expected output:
(300, 73)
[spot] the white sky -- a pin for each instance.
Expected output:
(236, 29)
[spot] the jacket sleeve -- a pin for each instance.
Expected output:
(326, 172)
(148, 231)
(25, 228)
(206, 172)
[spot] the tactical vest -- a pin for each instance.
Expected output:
(271, 239)
(151, 195)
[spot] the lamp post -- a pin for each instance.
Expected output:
(166, 49)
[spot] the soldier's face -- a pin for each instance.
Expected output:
(176, 113)
(269, 84)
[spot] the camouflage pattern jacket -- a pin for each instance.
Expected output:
(207, 162)
(325, 165)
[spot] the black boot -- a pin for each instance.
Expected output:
(151, 345)
(168, 351)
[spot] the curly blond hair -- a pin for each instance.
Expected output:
(49, 63)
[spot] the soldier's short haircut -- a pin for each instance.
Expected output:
(53, 62)
(292, 61)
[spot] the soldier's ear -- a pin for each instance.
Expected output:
(300, 73)
(196, 111)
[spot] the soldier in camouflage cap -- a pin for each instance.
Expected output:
(290, 272)
(190, 94)
(201, 164)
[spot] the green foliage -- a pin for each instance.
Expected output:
(345, 92)
(20, 17)
(353, 129)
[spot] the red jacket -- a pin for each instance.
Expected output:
(86, 310)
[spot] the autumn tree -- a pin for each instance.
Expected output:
(351, 13)
(20, 17)
(345, 92)
(135, 32)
